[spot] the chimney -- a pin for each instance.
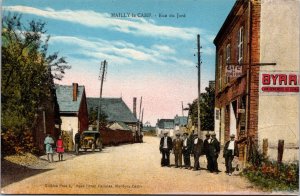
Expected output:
(134, 106)
(75, 91)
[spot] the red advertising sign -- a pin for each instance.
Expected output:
(279, 82)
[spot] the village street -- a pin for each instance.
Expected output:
(131, 168)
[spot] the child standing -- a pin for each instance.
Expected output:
(60, 148)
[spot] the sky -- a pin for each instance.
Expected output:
(150, 46)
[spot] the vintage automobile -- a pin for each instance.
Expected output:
(91, 140)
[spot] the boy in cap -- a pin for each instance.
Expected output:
(230, 150)
(177, 150)
(165, 147)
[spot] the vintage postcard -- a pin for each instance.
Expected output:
(150, 97)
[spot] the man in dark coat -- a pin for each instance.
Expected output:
(165, 147)
(205, 148)
(213, 152)
(197, 150)
(177, 150)
(230, 150)
(186, 150)
(77, 142)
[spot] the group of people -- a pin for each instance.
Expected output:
(50, 145)
(194, 146)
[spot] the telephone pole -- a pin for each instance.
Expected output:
(199, 83)
(102, 78)
(139, 121)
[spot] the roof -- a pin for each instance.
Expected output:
(114, 108)
(165, 124)
(180, 120)
(65, 101)
(119, 126)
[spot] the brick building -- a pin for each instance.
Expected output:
(248, 45)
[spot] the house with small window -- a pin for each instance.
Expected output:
(73, 111)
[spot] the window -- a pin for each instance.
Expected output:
(227, 61)
(240, 44)
(228, 53)
(220, 72)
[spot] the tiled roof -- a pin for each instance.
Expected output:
(114, 108)
(180, 120)
(65, 101)
(165, 124)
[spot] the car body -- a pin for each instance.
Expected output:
(90, 140)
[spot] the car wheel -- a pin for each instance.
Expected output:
(93, 147)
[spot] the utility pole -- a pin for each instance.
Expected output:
(182, 108)
(199, 83)
(139, 121)
(102, 78)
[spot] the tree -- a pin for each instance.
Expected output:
(93, 115)
(207, 103)
(27, 71)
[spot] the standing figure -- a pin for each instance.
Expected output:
(230, 150)
(197, 150)
(205, 149)
(77, 142)
(177, 150)
(49, 142)
(186, 150)
(165, 147)
(213, 152)
(60, 148)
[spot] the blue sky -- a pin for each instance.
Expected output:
(151, 56)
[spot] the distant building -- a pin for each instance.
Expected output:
(165, 125)
(180, 123)
(212, 84)
(147, 127)
(73, 110)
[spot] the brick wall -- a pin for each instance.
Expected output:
(254, 71)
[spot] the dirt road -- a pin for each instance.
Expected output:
(130, 169)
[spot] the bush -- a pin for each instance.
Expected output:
(13, 142)
(274, 176)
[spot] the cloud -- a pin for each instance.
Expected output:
(121, 52)
(135, 26)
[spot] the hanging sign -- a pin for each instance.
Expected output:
(233, 70)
